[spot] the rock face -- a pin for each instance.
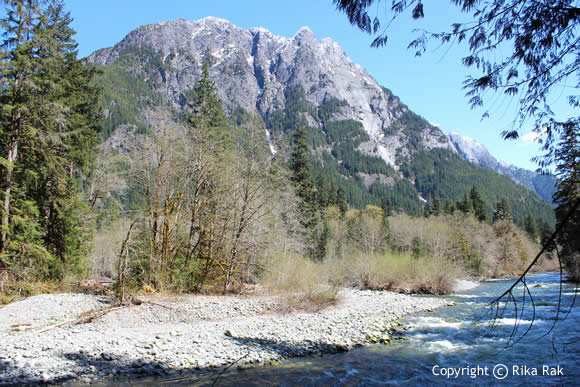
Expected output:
(253, 68)
(478, 154)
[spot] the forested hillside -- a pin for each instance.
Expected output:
(470, 150)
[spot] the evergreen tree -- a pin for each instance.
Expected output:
(465, 205)
(48, 133)
(478, 205)
(69, 153)
(387, 207)
(322, 238)
(502, 211)
(428, 208)
(530, 227)
(208, 116)
(545, 231)
(567, 197)
(332, 194)
(341, 201)
(301, 170)
(418, 248)
(436, 200)
(323, 190)
(301, 177)
(18, 79)
(448, 207)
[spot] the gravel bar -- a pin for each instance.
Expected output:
(40, 344)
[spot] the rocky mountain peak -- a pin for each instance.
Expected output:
(472, 151)
(254, 68)
(305, 36)
(214, 20)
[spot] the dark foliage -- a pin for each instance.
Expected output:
(449, 175)
(48, 139)
(125, 89)
(330, 106)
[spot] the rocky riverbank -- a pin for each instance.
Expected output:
(42, 340)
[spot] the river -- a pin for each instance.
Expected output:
(452, 345)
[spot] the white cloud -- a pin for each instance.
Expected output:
(435, 124)
(531, 137)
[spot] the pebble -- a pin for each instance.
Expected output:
(207, 332)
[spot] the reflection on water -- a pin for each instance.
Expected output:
(452, 345)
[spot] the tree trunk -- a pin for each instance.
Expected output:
(12, 153)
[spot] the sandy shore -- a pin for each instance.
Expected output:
(41, 344)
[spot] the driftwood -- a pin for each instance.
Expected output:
(92, 315)
(83, 319)
(20, 325)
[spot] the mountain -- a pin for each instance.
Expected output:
(476, 153)
(363, 137)
(254, 68)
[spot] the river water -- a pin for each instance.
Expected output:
(452, 345)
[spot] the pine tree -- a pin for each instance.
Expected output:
(332, 194)
(387, 207)
(322, 190)
(322, 237)
(387, 212)
(545, 231)
(448, 208)
(313, 221)
(301, 177)
(418, 248)
(74, 133)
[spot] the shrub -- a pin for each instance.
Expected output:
(302, 283)
(400, 272)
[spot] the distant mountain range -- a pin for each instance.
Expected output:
(363, 138)
(476, 153)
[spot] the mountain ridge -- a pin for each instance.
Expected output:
(266, 63)
(478, 154)
(363, 137)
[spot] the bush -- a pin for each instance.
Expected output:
(302, 283)
(400, 272)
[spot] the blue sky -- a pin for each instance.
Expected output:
(430, 85)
